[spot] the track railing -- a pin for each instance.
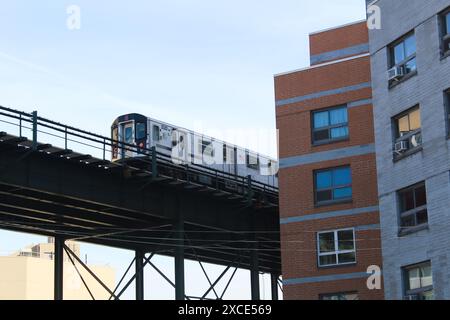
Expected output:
(150, 160)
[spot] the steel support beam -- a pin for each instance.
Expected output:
(140, 275)
(254, 275)
(274, 286)
(179, 253)
(58, 268)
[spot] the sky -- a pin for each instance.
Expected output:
(202, 65)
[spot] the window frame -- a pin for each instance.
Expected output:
(333, 187)
(407, 137)
(403, 231)
(444, 36)
(447, 110)
(156, 133)
(205, 145)
(138, 125)
(406, 60)
(337, 252)
(329, 127)
(254, 166)
(419, 291)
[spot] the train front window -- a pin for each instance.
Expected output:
(129, 135)
(140, 131)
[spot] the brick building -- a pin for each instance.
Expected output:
(330, 231)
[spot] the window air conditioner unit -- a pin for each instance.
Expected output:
(401, 147)
(395, 73)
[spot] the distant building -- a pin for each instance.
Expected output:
(411, 98)
(28, 275)
(330, 232)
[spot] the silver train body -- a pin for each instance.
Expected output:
(189, 148)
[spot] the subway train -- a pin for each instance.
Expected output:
(187, 147)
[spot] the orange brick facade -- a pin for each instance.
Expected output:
(318, 87)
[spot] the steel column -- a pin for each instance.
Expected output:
(140, 275)
(179, 254)
(58, 268)
(254, 273)
(274, 286)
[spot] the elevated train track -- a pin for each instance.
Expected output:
(146, 204)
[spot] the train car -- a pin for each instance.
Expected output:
(189, 148)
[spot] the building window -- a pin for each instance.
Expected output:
(340, 296)
(330, 125)
(333, 185)
(336, 247)
(418, 282)
(413, 208)
(408, 134)
(447, 108)
(402, 58)
(445, 22)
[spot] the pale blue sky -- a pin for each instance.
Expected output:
(185, 62)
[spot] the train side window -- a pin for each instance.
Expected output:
(155, 133)
(252, 161)
(140, 131)
(224, 153)
(207, 148)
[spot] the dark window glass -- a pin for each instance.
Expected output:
(420, 196)
(345, 241)
(408, 200)
(447, 23)
(323, 196)
(328, 260)
(128, 135)
(331, 124)
(321, 135)
(327, 243)
(413, 208)
(446, 32)
(340, 296)
(333, 185)
(447, 107)
(252, 161)
(156, 133)
(140, 131)
(346, 257)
